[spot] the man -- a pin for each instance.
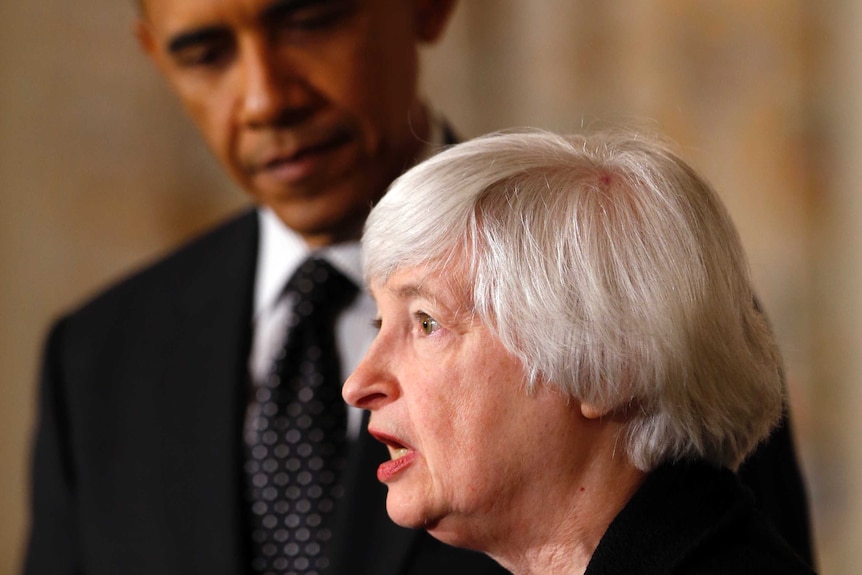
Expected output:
(140, 465)
(149, 391)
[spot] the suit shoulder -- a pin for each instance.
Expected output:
(229, 249)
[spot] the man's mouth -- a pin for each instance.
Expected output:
(306, 160)
(332, 142)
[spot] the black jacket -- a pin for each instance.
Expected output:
(690, 518)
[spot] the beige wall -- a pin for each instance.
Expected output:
(100, 172)
(836, 454)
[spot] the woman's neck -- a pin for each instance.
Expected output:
(557, 531)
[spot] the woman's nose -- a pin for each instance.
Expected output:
(371, 385)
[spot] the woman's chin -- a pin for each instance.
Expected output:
(407, 512)
(445, 529)
(404, 513)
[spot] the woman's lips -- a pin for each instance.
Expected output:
(389, 469)
(401, 457)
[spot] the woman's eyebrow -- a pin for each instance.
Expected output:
(410, 291)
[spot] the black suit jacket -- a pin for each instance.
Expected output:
(138, 458)
(690, 518)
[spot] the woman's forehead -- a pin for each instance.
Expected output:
(444, 287)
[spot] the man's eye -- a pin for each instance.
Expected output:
(428, 324)
(202, 56)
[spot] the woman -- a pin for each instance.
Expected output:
(569, 366)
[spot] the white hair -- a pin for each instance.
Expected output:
(610, 268)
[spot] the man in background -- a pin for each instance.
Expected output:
(155, 450)
(152, 453)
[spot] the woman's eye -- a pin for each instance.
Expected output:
(428, 324)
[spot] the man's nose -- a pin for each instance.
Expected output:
(272, 92)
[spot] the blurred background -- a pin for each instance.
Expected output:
(100, 172)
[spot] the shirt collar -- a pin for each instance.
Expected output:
(282, 251)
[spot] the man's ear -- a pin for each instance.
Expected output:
(144, 34)
(431, 17)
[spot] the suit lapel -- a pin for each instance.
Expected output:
(204, 388)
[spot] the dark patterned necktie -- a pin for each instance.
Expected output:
(295, 431)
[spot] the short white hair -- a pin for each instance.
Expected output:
(610, 268)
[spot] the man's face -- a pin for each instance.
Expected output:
(310, 105)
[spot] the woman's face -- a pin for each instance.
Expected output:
(470, 447)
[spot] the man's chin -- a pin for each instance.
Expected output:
(320, 223)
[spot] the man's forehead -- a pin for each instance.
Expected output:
(177, 13)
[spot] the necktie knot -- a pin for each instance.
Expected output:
(320, 289)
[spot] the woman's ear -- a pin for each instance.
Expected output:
(591, 411)
(618, 413)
